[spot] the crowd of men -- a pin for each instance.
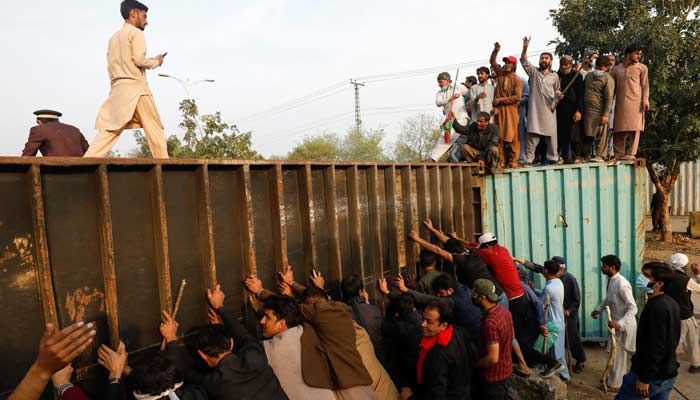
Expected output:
(461, 330)
(588, 112)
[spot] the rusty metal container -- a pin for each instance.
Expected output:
(109, 240)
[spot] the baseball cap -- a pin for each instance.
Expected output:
(486, 288)
(510, 59)
(487, 237)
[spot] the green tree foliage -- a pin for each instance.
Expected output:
(324, 147)
(669, 31)
(363, 146)
(417, 138)
(205, 137)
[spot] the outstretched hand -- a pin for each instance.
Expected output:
(526, 41)
(113, 361)
(497, 46)
(287, 275)
(383, 285)
(58, 348)
(254, 284)
(317, 279)
(168, 328)
(216, 297)
(400, 283)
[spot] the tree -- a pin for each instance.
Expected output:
(326, 147)
(419, 134)
(354, 146)
(205, 137)
(669, 31)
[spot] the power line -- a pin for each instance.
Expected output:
(339, 87)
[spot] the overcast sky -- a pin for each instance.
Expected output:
(262, 54)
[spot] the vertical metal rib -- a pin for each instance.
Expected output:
(332, 217)
(408, 218)
(392, 218)
(468, 202)
(279, 228)
(246, 219)
(161, 239)
(447, 200)
(308, 229)
(356, 239)
(43, 266)
(104, 212)
(206, 226)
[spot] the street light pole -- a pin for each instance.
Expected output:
(187, 86)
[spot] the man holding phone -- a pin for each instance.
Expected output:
(130, 104)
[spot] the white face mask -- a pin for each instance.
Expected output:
(444, 88)
(598, 72)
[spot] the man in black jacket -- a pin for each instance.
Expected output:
(402, 335)
(654, 365)
(367, 315)
(244, 374)
(446, 359)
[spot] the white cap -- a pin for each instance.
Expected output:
(486, 238)
(678, 261)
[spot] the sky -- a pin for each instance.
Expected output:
(282, 69)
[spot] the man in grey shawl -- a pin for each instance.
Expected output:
(541, 107)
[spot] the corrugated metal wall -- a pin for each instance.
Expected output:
(685, 196)
(580, 212)
(109, 241)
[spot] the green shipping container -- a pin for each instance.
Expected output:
(581, 212)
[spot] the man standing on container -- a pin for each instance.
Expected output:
(509, 91)
(624, 309)
(541, 108)
(130, 104)
(632, 101)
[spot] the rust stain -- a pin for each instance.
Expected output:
(78, 301)
(20, 248)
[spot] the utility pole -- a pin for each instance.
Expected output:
(358, 121)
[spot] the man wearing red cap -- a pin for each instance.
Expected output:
(509, 91)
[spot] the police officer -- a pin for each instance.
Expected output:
(53, 138)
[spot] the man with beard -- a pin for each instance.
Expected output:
(569, 106)
(509, 90)
(632, 94)
(130, 104)
(597, 102)
(623, 309)
(541, 110)
(479, 143)
(481, 94)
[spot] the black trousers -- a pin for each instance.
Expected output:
(525, 326)
(573, 338)
(565, 125)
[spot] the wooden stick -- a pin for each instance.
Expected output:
(177, 307)
(547, 304)
(566, 89)
(613, 349)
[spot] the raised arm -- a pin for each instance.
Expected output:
(413, 235)
(494, 57)
(428, 223)
(523, 54)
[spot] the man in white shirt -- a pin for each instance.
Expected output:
(481, 95)
(623, 308)
(451, 99)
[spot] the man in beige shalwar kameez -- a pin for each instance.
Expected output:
(632, 101)
(130, 104)
(506, 101)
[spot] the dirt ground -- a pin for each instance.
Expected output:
(583, 386)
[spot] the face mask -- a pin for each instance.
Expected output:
(643, 284)
(597, 72)
(651, 285)
(444, 88)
